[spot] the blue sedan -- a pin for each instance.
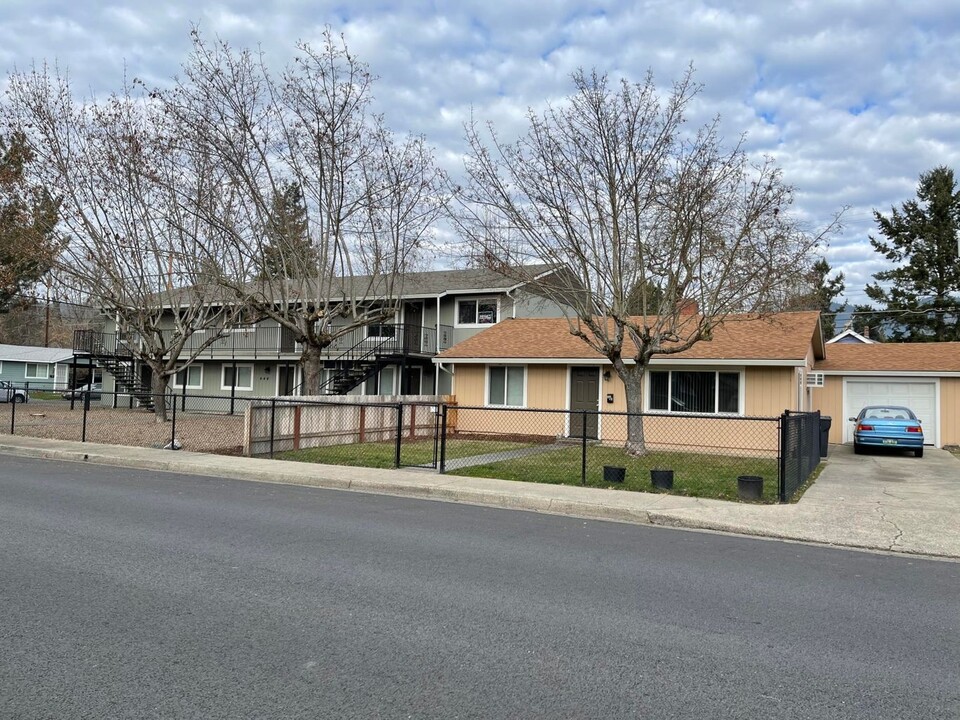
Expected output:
(887, 426)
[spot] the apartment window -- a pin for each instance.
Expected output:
(481, 311)
(193, 376)
(506, 386)
(244, 377)
(381, 330)
(37, 371)
(695, 391)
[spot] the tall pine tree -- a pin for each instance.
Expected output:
(921, 294)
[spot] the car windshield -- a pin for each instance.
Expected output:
(888, 413)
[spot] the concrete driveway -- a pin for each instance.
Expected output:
(918, 497)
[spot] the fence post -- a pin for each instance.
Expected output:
(173, 421)
(583, 451)
(781, 459)
(13, 410)
(273, 422)
(396, 459)
(86, 407)
(443, 438)
(183, 401)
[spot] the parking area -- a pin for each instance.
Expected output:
(918, 497)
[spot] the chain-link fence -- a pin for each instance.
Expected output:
(799, 450)
(201, 423)
(761, 458)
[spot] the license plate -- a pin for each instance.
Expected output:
(889, 442)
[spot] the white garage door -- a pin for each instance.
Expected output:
(918, 395)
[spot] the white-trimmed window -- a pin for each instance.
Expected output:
(695, 391)
(36, 371)
(244, 377)
(477, 312)
(506, 385)
(193, 375)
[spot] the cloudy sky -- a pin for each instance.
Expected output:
(853, 98)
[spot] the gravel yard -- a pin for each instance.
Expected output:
(202, 432)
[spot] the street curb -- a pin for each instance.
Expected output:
(432, 488)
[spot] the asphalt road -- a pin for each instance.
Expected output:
(152, 595)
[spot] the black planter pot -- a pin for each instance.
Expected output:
(750, 487)
(662, 479)
(613, 474)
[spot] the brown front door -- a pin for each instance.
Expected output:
(584, 395)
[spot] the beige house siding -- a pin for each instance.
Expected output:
(829, 401)
(950, 411)
(769, 391)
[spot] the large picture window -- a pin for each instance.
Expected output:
(244, 377)
(506, 386)
(483, 311)
(695, 391)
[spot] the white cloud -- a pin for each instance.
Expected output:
(854, 100)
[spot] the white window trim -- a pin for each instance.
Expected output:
(478, 299)
(223, 372)
(486, 387)
(380, 337)
(1, 366)
(46, 372)
(741, 390)
(186, 372)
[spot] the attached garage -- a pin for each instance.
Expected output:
(920, 395)
(924, 377)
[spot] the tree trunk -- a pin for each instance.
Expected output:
(158, 383)
(632, 377)
(311, 363)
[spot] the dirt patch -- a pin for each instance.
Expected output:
(202, 432)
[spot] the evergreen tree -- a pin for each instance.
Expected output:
(821, 292)
(923, 290)
(288, 252)
(28, 217)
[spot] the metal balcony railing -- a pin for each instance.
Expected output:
(257, 342)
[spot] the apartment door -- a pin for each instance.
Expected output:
(413, 326)
(286, 379)
(584, 395)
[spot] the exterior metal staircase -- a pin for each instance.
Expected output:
(114, 355)
(357, 365)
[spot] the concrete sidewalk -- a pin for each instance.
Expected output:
(851, 504)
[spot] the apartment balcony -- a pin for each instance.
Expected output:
(264, 343)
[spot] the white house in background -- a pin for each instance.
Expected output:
(43, 368)
(849, 336)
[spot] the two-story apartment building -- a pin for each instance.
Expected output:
(436, 310)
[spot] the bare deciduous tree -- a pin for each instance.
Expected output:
(663, 233)
(138, 247)
(368, 198)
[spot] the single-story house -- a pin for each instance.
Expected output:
(42, 368)
(751, 367)
(922, 376)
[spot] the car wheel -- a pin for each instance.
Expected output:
(857, 449)
(918, 452)
(18, 398)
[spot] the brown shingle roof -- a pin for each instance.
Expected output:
(785, 336)
(893, 357)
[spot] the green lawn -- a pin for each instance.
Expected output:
(696, 475)
(382, 454)
(712, 476)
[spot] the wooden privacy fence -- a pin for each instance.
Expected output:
(296, 423)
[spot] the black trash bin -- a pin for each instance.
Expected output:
(825, 421)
